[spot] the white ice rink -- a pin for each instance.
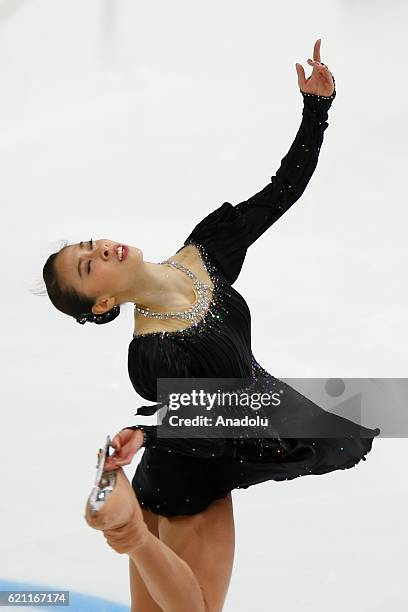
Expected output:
(133, 120)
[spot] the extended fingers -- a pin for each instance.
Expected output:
(316, 50)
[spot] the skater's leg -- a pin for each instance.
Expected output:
(206, 542)
(169, 579)
(141, 599)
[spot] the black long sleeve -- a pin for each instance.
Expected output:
(296, 169)
(229, 230)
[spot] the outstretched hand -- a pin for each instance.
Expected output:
(320, 81)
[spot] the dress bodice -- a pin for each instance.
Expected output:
(218, 345)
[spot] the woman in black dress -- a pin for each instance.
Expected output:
(176, 519)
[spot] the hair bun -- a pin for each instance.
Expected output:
(100, 319)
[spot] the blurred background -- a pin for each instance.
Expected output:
(132, 121)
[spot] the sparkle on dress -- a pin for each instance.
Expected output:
(182, 477)
(208, 308)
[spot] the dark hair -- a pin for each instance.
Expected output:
(67, 300)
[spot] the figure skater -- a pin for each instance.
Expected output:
(175, 520)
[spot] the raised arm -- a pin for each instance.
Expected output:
(297, 167)
(229, 230)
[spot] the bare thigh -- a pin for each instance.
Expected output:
(206, 542)
(141, 599)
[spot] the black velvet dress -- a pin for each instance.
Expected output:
(182, 476)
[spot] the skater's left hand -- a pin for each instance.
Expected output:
(126, 444)
(320, 81)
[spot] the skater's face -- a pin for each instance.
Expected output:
(95, 269)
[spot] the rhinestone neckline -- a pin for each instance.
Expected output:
(210, 303)
(197, 309)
